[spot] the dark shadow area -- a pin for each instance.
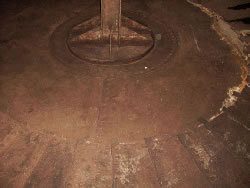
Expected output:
(240, 7)
(243, 20)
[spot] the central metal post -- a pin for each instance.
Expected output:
(110, 37)
(111, 17)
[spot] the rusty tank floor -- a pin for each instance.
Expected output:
(146, 124)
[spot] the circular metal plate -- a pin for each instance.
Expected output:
(87, 42)
(165, 44)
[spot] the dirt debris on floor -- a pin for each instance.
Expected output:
(125, 126)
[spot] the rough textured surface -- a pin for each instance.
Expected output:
(174, 165)
(97, 126)
(234, 135)
(213, 158)
(235, 13)
(133, 167)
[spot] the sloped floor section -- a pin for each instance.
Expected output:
(120, 126)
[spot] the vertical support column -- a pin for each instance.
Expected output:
(110, 17)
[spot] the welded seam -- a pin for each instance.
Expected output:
(231, 98)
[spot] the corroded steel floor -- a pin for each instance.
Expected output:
(85, 125)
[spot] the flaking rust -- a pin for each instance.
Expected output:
(228, 35)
